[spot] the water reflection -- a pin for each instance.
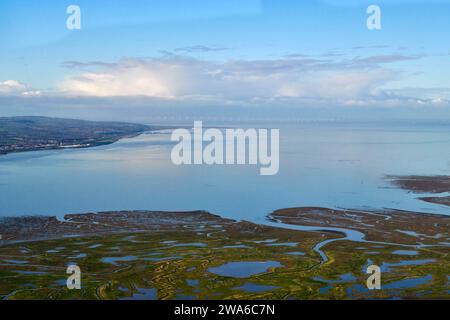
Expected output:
(244, 269)
(321, 165)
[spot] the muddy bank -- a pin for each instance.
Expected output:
(438, 200)
(395, 226)
(40, 227)
(425, 184)
(422, 184)
(36, 228)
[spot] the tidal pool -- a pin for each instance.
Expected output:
(406, 252)
(386, 266)
(193, 283)
(38, 273)
(283, 244)
(244, 269)
(347, 277)
(193, 244)
(296, 253)
(157, 259)
(169, 242)
(254, 288)
(265, 241)
(143, 294)
(184, 297)
(401, 284)
(408, 283)
(95, 246)
(114, 260)
(15, 261)
(236, 246)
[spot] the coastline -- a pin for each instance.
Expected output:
(18, 137)
(375, 225)
(81, 146)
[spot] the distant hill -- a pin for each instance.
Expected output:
(42, 133)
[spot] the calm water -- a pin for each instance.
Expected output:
(244, 269)
(320, 165)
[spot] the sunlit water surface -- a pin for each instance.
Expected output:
(320, 165)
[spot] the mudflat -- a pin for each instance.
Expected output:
(425, 184)
(422, 184)
(396, 226)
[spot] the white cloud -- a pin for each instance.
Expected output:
(131, 77)
(290, 81)
(183, 78)
(14, 88)
(11, 87)
(31, 93)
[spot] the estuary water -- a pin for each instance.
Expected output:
(321, 164)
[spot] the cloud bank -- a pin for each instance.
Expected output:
(292, 80)
(248, 81)
(14, 87)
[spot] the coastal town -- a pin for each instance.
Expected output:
(18, 134)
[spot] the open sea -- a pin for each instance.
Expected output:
(321, 164)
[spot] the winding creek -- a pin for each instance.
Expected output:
(348, 234)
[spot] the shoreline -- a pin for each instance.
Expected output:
(314, 219)
(388, 226)
(69, 147)
(87, 146)
(432, 185)
(310, 252)
(29, 134)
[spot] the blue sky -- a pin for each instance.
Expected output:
(249, 52)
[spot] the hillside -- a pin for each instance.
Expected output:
(41, 133)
